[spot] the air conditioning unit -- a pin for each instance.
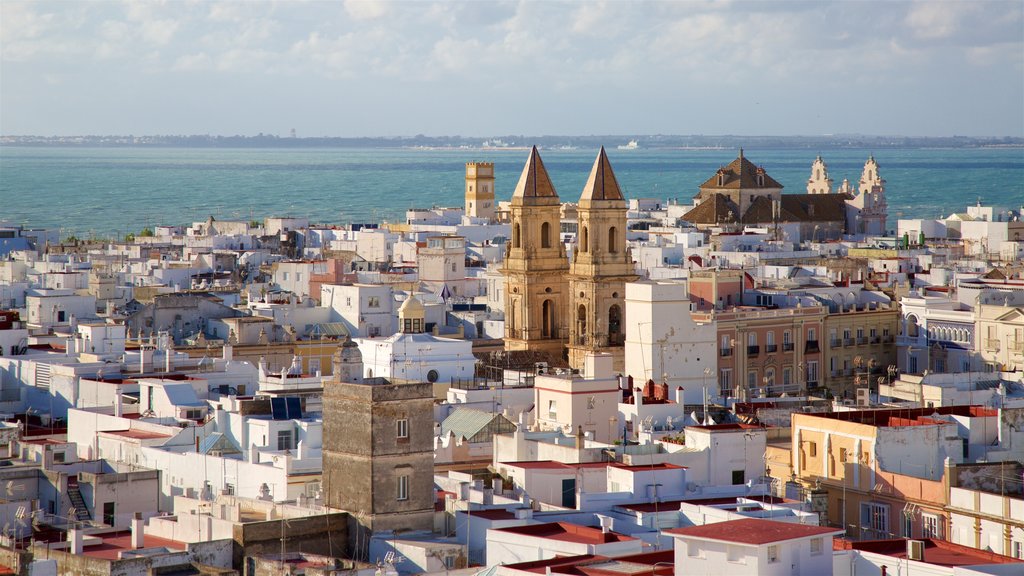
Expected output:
(915, 550)
(863, 397)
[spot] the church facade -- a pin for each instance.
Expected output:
(564, 309)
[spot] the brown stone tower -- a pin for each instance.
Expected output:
(536, 266)
(378, 453)
(601, 266)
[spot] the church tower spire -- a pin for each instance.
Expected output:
(819, 182)
(601, 266)
(535, 265)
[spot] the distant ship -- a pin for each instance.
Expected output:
(633, 145)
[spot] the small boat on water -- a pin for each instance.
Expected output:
(633, 145)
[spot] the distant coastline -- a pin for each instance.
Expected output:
(519, 142)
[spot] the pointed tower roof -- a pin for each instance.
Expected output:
(601, 185)
(534, 182)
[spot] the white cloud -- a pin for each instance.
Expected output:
(366, 9)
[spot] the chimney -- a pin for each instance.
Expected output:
(606, 523)
(118, 404)
(679, 395)
(75, 537)
(138, 531)
(662, 391)
(639, 395)
(228, 352)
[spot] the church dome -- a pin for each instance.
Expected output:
(412, 306)
(411, 316)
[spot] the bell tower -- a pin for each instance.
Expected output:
(819, 182)
(601, 266)
(535, 266)
(480, 190)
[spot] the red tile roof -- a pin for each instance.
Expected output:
(567, 532)
(938, 552)
(753, 531)
(116, 542)
(492, 514)
(641, 467)
(136, 434)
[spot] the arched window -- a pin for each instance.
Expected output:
(584, 239)
(581, 324)
(545, 235)
(912, 327)
(516, 238)
(547, 322)
(615, 321)
(612, 232)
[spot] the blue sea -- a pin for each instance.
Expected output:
(111, 191)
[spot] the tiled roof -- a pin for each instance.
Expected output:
(939, 552)
(753, 531)
(714, 210)
(534, 182)
(740, 174)
(601, 185)
(567, 532)
(467, 422)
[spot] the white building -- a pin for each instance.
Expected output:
(749, 546)
(366, 309)
(664, 343)
(412, 354)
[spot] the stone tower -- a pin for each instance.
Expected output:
(480, 190)
(378, 452)
(601, 266)
(819, 182)
(347, 362)
(535, 266)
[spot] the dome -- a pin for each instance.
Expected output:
(411, 316)
(412, 305)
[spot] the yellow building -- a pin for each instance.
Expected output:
(536, 267)
(601, 266)
(859, 346)
(480, 190)
(1000, 336)
(884, 470)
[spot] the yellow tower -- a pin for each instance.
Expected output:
(480, 190)
(601, 266)
(535, 266)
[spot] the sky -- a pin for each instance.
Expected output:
(478, 68)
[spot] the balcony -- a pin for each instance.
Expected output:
(771, 348)
(992, 344)
(753, 351)
(812, 347)
(1016, 346)
(726, 352)
(787, 346)
(875, 339)
(888, 339)
(835, 343)
(847, 341)
(812, 383)
(861, 340)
